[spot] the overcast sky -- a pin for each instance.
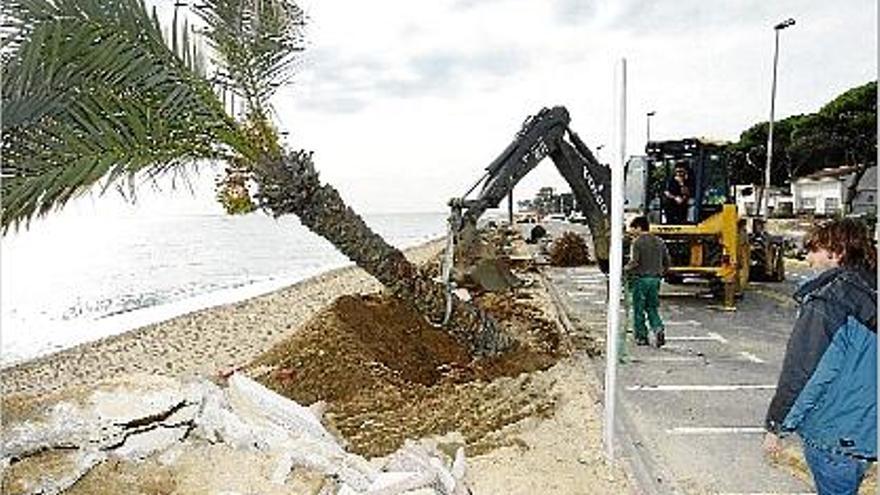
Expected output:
(405, 103)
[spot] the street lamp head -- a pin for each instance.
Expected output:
(651, 113)
(784, 24)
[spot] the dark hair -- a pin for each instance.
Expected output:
(848, 238)
(640, 223)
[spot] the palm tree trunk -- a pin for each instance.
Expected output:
(292, 186)
(852, 189)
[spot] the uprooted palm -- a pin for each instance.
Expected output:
(94, 94)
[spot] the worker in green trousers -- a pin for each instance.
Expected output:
(649, 260)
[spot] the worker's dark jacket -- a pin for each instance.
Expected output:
(827, 390)
(649, 257)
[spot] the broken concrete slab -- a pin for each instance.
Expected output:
(159, 420)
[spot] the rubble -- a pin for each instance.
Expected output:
(156, 419)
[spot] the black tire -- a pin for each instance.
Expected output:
(779, 268)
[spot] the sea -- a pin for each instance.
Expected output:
(67, 282)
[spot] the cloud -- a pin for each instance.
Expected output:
(574, 12)
(342, 83)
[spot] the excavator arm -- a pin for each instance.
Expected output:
(544, 134)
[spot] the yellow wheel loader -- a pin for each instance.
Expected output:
(706, 236)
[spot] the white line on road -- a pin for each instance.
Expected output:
(690, 323)
(581, 293)
(586, 278)
(714, 430)
(667, 359)
(697, 388)
(751, 357)
(709, 336)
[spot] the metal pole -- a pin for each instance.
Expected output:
(615, 274)
(510, 208)
(764, 200)
(648, 123)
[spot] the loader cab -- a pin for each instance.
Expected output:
(707, 182)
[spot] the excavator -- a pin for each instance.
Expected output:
(715, 243)
(544, 134)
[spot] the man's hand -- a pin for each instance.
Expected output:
(772, 444)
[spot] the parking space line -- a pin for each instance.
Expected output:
(690, 323)
(581, 293)
(714, 430)
(746, 356)
(668, 359)
(709, 336)
(697, 388)
(751, 357)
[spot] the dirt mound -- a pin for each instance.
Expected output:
(569, 250)
(386, 374)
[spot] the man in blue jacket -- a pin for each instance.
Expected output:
(827, 391)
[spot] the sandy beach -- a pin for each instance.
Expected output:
(203, 342)
(530, 421)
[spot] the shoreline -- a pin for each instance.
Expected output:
(201, 342)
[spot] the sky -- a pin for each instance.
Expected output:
(405, 103)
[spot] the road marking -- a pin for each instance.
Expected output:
(693, 323)
(667, 359)
(696, 359)
(697, 388)
(714, 430)
(751, 357)
(709, 336)
(581, 293)
(586, 278)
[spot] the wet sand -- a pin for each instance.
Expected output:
(203, 342)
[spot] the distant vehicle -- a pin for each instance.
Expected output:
(527, 219)
(577, 217)
(556, 216)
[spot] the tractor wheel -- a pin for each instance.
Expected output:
(779, 267)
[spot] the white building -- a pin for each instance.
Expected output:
(824, 192)
(780, 201)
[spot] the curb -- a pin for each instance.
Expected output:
(638, 464)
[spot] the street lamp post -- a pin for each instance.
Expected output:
(648, 124)
(765, 193)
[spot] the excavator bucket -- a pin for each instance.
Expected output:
(491, 275)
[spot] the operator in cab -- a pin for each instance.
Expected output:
(679, 190)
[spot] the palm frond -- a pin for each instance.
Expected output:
(91, 90)
(256, 42)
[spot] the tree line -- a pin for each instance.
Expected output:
(841, 133)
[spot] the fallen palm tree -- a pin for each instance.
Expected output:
(93, 94)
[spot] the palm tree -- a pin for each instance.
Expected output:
(93, 93)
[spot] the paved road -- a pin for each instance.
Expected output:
(692, 411)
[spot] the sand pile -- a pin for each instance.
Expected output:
(569, 250)
(387, 375)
